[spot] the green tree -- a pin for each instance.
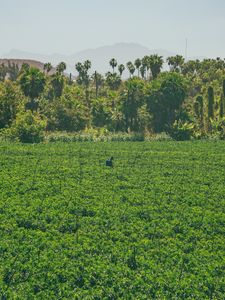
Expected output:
(137, 64)
(98, 81)
(145, 66)
(121, 69)
(210, 103)
(28, 127)
(142, 72)
(13, 71)
(83, 69)
(175, 63)
(166, 96)
(191, 67)
(101, 113)
(196, 109)
(224, 88)
(155, 64)
(61, 67)
(131, 68)
(84, 78)
(221, 107)
(11, 101)
(57, 84)
(113, 63)
(199, 112)
(32, 82)
(132, 98)
(87, 65)
(3, 72)
(113, 80)
(78, 67)
(47, 67)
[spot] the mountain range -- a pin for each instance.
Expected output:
(100, 57)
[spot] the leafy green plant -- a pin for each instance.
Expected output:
(181, 131)
(218, 128)
(28, 128)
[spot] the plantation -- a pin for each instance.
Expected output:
(151, 227)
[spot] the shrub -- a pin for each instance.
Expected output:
(218, 128)
(181, 131)
(28, 128)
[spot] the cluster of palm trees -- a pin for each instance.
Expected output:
(147, 67)
(61, 67)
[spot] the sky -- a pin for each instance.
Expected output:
(68, 26)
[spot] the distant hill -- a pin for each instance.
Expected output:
(20, 62)
(122, 52)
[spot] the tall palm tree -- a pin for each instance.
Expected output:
(121, 69)
(61, 67)
(175, 63)
(98, 81)
(155, 63)
(146, 65)
(78, 67)
(87, 65)
(113, 63)
(83, 69)
(137, 64)
(131, 68)
(142, 71)
(47, 67)
(113, 80)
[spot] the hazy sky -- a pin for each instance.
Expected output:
(67, 26)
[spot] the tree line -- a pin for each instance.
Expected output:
(187, 99)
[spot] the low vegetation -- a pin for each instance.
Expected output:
(151, 227)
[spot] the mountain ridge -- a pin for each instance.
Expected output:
(100, 56)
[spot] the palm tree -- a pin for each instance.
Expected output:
(47, 67)
(121, 69)
(113, 63)
(142, 71)
(83, 69)
(137, 64)
(84, 79)
(3, 72)
(146, 65)
(98, 81)
(131, 68)
(113, 80)
(61, 67)
(87, 65)
(78, 67)
(176, 62)
(155, 63)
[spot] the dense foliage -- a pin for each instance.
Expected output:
(151, 100)
(151, 227)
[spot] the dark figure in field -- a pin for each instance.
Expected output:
(109, 162)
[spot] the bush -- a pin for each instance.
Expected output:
(181, 131)
(218, 128)
(28, 128)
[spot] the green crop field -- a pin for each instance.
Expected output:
(151, 227)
